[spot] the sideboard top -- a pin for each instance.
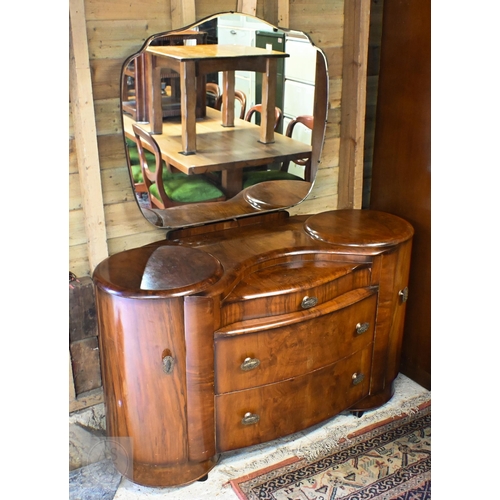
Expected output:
(193, 263)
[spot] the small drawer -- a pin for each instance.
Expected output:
(253, 416)
(291, 287)
(343, 326)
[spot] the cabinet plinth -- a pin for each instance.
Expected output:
(207, 340)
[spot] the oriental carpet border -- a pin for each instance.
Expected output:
(388, 460)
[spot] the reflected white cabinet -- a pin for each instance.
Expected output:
(240, 30)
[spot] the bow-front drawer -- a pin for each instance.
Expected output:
(287, 346)
(252, 416)
(291, 287)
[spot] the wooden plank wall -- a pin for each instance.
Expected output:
(118, 28)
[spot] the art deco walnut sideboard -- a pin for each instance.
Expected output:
(220, 340)
(245, 324)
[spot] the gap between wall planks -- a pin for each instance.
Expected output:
(82, 103)
(354, 77)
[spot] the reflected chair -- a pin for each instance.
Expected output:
(213, 94)
(252, 177)
(166, 188)
(238, 96)
(308, 122)
(258, 109)
(135, 166)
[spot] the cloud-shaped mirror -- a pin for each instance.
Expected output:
(223, 119)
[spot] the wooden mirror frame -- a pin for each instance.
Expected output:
(261, 198)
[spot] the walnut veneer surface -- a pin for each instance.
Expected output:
(221, 338)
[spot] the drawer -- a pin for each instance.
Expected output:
(258, 415)
(268, 355)
(291, 287)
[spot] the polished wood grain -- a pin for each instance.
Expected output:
(282, 288)
(290, 351)
(291, 405)
(359, 228)
(178, 318)
(144, 404)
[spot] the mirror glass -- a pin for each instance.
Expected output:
(197, 149)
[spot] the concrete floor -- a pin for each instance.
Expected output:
(100, 481)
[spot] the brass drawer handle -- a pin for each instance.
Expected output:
(403, 294)
(250, 418)
(250, 364)
(362, 328)
(357, 378)
(308, 302)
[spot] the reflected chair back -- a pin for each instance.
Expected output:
(308, 122)
(258, 109)
(166, 188)
(238, 96)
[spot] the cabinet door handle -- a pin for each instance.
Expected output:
(362, 328)
(250, 418)
(250, 364)
(168, 364)
(357, 378)
(403, 294)
(308, 302)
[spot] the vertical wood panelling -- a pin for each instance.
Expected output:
(85, 137)
(283, 13)
(356, 34)
(183, 13)
(247, 7)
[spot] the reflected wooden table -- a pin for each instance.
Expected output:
(193, 63)
(225, 149)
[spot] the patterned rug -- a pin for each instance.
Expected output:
(388, 461)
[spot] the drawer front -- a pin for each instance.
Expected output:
(253, 359)
(291, 287)
(258, 415)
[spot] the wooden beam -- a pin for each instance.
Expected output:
(247, 7)
(82, 104)
(183, 13)
(352, 125)
(284, 13)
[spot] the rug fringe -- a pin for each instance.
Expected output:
(318, 446)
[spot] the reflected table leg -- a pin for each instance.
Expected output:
(188, 106)
(232, 181)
